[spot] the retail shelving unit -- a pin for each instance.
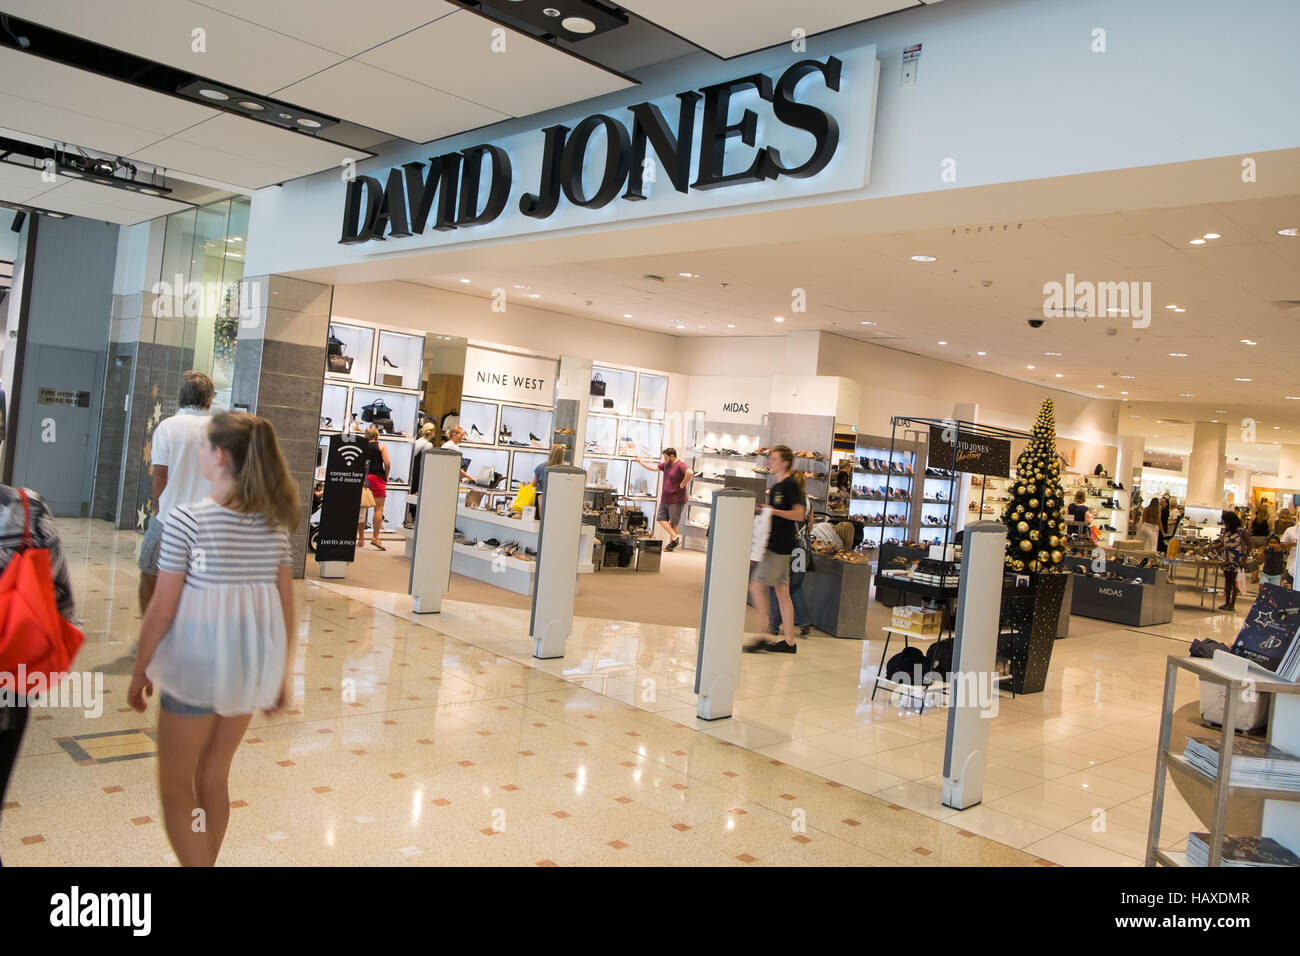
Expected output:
(377, 364)
(812, 433)
(624, 420)
(504, 438)
(1281, 816)
(715, 470)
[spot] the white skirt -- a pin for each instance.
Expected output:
(224, 650)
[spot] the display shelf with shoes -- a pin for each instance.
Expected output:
(881, 476)
(722, 455)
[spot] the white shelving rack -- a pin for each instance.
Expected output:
(1281, 816)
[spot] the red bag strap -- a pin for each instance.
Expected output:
(27, 519)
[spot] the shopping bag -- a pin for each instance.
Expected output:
(762, 528)
(35, 638)
(525, 497)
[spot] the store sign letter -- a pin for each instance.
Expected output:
(402, 205)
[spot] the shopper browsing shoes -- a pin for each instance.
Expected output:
(673, 498)
(1234, 550)
(786, 506)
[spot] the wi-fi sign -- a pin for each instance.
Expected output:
(350, 453)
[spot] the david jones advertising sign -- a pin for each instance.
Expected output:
(444, 193)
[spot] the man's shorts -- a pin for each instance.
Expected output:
(774, 570)
(150, 547)
(670, 511)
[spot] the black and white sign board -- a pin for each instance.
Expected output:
(345, 476)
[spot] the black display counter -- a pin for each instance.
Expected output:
(835, 593)
(1124, 602)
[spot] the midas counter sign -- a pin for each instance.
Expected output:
(444, 193)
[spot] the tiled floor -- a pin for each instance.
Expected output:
(438, 739)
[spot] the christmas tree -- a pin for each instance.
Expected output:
(1035, 529)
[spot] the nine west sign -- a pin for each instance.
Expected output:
(472, 187)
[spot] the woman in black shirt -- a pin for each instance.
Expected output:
(1079, 512)
(377, 465)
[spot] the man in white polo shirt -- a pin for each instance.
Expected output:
(174, 455)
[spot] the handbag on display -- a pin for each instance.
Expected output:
(597, 384)
(337, 361)
(376, 409)
(34, 636)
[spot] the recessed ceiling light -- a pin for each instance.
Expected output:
(1101, 386)
(924, 259)
(466, 281)
(1277, 428)
(1171, 306)
(627, 315)
(1248, 342)
(977, 353)
(1128, 377)
(213, 94)
(1059, 375)
(1057, 354)
(731, 325)
(1221, 411)
(1188, 395)
(1211, 235)
(1241, 380)
(864, 322)
(1198, 242)
(1289, 231)
(1125, 393)
(679, 326)
(1028, 366)
(533, 295)
(521, 286)
(778, 318)
(578, 25)
(1180, 310)
(689, 275)
(1178, 355)
(1294, 398)
(941, 342)
(251, 105)
(309, 123)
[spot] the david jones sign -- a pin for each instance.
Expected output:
(447, 188)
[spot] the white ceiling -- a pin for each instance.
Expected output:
(977, 297)
(734, 27)
(417, 69)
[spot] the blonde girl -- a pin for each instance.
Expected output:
(218, 636)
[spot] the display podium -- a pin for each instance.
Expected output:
(556, 580)
(435, 528)
(722, 612)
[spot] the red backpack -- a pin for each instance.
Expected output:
(34, 636)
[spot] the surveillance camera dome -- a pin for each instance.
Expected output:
(1036, 323)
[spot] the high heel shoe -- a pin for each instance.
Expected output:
(387, 362)
(475, 432)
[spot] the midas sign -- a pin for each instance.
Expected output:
(447, 188)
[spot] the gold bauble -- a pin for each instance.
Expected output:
(1053, 540)
(1018, 564)
(1056, 557)
(1033, 502)
(1026, 546)
(1022, 527)
(1021, 490)
(1033, 565)
(1042, 557)
(1033, 535)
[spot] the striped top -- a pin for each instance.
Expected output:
(216, 547)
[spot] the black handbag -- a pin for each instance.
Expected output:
(335, 359)
(906, 667)
(378, 409)
(938, 658)
(597, 385)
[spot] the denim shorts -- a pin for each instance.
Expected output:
(181, 709)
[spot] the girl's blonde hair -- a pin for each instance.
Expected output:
(557, 455)
(799, 480)
(372, 433)
(262, 484)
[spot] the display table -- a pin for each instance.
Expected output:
(1138, 604)
(1205, 576)
(511, 573)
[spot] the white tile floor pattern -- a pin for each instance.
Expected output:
(454, 718)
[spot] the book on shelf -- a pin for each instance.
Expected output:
(1255, 763)
(1268, 638)
(1240, 851)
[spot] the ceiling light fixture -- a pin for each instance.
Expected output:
(519, 286)
(1198, 242)
(778, 318)
(1248, 342)
(864, 322)
(977, 353)
(1211, 235)
(731, 325)
(1178, 355)
(213, 94)
(578, 25)
(1059, 375)
(924, 259)
(1180, 310)
(1028, 366)
(1289, 231)
(1057, 354)
(533, 295)
(1241, 380)
(466, 281)
(627, 315)
(1171, 306)
(941, 342)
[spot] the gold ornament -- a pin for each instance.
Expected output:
(1033, 502)
(1033, 565)
(1056, 557)
(1022, 527)
(1026, 546)
(1033, 535)
(1018, 564)
(1054, 541)
(1042, 557)
(1021, 490)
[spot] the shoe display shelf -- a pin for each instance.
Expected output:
(508, 438)
(1280, 816)
(880, 471)
(1137, 597)
(491, 566)
(385, 365)
(708, 452)
(625, 420)
(1108, 504)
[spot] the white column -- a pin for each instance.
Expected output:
(1206, 463)
(1128, 463)
(572, 396)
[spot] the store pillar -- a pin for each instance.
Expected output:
(972, 688)
(1127, 463)
(279, 375)
(1205, 465)
(556, 581)
(572, 396)
(722, 612)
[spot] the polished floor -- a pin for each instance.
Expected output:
(438, 740)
